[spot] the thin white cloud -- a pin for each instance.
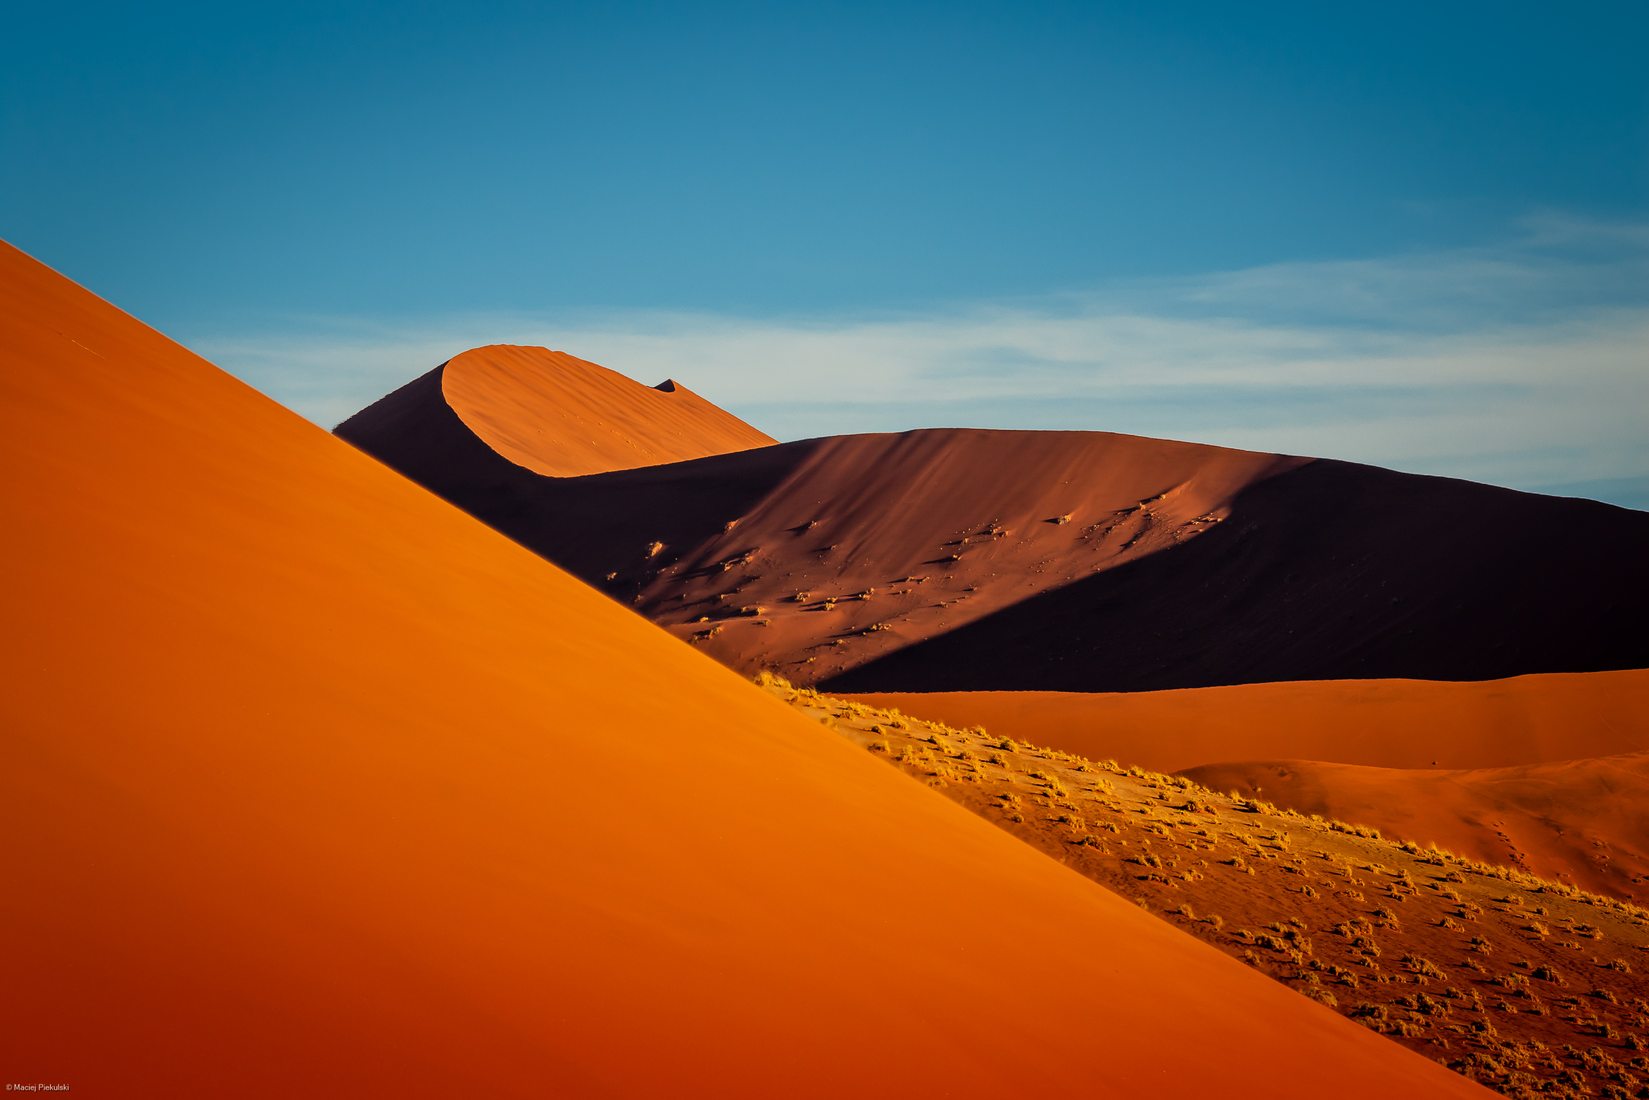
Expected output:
(1524, 364)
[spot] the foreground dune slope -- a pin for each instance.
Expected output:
(1084, 561)
(1584, 822)
(1380, 723)
(543, 411)
(315, 786)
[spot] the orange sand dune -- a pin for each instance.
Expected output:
(547, 412)
(1381, 723)
(315, 786)
(960, 560)
(1583, 821)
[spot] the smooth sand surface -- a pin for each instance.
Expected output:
(1381, 723)
(552, 413)
(315, 786)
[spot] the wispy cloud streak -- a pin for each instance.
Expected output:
(1522, 364)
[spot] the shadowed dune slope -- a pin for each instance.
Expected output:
(1585, 822)
(544, 411)
(1327, 571)
(945, 560)
(931, 528)
(1381, 723)
(315, 786)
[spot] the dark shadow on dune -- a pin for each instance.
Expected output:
(415, 432)
(605, 523)
(1328, 571)
(590, 526)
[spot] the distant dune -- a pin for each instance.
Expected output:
(543, 411)
(1325, 570)
(1381, 723)
(314, 786)
(1493, 770)
(1583, 821)
(948, 560)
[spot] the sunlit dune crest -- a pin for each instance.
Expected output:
(550, 413)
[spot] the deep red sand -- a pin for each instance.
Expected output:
(1078, 561)
(314, 786)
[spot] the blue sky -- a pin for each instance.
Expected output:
(1416, 234)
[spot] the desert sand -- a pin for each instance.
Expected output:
(1584, 822)
(314, 785)
(956, 559)
(1379, 723)
(1529, 985)
(1545, 773)
(547, 412)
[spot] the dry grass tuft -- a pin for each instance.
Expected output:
(1315, 904)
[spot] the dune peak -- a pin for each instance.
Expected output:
(544, 411)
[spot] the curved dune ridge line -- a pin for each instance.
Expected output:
(313, 785)
(559, 416)
(1379, 723)
(1583, 821)
(955, 559)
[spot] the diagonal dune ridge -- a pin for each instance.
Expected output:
(315, 786)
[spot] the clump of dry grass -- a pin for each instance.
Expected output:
(1240, 867)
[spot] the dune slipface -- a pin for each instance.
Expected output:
(960, 560)
(314, 786)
